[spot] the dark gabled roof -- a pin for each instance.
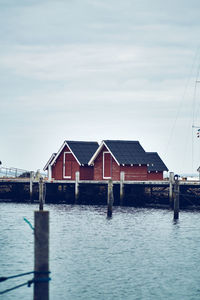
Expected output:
(83, 151)
(155, 162)
(127, 152)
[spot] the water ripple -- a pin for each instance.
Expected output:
(138, 254)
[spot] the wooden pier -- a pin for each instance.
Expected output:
(127, 193)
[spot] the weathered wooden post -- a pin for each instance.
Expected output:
(31, 186)
(41, 193)
(122, 176)
(171, 183)
(176, 198)
(110, 199)
(77, 186)
(41, 255)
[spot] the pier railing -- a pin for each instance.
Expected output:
(11, 172)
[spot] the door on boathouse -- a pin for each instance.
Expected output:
(68, 165)
(107, 165)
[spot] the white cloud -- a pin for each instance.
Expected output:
(103, 64)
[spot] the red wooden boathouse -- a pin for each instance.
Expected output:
(114, 156)
(105, 162)
(73, 156)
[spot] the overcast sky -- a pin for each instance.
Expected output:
(99, 69)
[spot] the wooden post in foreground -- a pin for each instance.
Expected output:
(41, 255)
(77, 186)
(122, 175)
(41, 193)
(171, 182)
(110, 199)
(176, 198)
(31, 186)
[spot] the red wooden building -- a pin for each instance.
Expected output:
(73, 156)
(105, 162)
(113, 157)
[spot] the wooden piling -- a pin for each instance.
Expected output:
(31, 186)
(176, 198)
(122, 176)
(41, 193)
(151, 192)
(41, 255)
(110, 199)
(171, 183)
(77, 178)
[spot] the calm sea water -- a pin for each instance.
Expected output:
(138, 254)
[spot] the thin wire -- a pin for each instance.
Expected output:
(186, 147)
(29, 223)
(193, 112)
(196, 59)
(15, 287)
(23, 274)
(182, 99)
(194, 94)
(28, 283)
(194, 98)
(14, 276)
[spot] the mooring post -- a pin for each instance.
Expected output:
(171, 183)
(41, 255)
(31, 186)
(122, 176)
(41, 193)
(77, 186)
(110, 199)
(176, 197)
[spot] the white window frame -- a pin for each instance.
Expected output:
(104, 163)
(67, 177)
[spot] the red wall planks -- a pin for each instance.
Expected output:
(155, 176)
(86, 173)
(135, 172)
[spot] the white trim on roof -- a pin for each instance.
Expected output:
(49, 161)
(98, 151)
(60, 150)
(73, 154)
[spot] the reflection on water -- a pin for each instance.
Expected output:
(137, 254)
